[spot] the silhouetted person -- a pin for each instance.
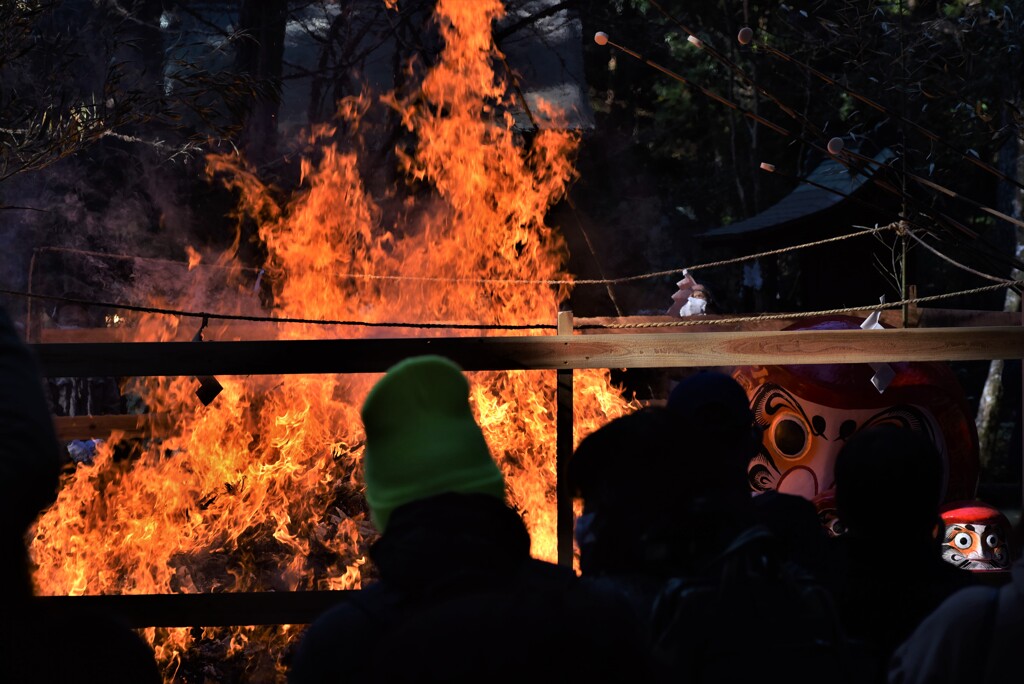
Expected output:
(715, 439)
(794, 521)
(664, 489)
(974, 636)
(669, 522)
(459, 597)
(888, 490)
(39, 645)
(630, 476)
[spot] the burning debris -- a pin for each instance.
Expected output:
(261, 490)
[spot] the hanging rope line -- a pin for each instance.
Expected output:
(952, 261)
(793, 248)
(861, 231)
(692, 321)
(633, 278)
(535, 326)
(276, 319)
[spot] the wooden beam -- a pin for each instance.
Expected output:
(628, 350)
(84, 427)
(201, 610)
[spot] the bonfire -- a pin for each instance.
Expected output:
(261, 490)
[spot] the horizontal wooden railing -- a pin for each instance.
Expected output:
(552, 352)
(131, 424)
(563, 352)
(203, 610)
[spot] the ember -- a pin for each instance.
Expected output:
(261, 490)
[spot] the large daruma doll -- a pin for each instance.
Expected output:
(807, 413)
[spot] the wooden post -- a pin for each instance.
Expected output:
(913, 312)
(563, 450)
(903, 273)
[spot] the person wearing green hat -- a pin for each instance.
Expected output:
(422, 439)
(459, 595)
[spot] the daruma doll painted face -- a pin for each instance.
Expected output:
(807, 412)
(975, 537)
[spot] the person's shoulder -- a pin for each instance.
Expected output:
(964, 607)
(540, 576)
(348, 628)
(357, 611)
(945, 646)
(959, 616)
(93, 647)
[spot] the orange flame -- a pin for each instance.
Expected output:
(262, 489)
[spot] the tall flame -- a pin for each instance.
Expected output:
(262, 489)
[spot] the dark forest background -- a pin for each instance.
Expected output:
(107, 109)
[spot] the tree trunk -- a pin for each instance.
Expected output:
(1009, 200)
(259, 54)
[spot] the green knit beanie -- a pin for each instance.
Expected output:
(421, 438)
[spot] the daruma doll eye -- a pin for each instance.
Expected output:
(790, 437)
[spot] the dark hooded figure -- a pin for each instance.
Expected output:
(459, 597)
(628, 477)
(669, 522)
(888, 489)
(40, 645)
(664, 489)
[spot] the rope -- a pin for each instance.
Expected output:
(540, 326)
(625, 279)
(518, 281)
(783, 250)
(964, 267)
(435, 325)
(276, 319)
(512, 281)
(804, 314)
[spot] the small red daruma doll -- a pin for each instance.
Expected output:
(976, 537)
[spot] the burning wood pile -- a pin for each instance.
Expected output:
(262, 490)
